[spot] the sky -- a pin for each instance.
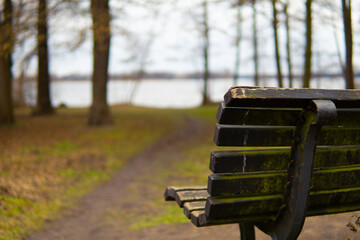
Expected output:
(172, 36)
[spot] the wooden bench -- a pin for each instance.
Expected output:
(299, 156)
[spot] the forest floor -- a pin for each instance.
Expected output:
(127, 203)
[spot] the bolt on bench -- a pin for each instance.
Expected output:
(299, 156)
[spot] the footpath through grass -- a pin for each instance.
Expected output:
(46, 163)
(188, 166)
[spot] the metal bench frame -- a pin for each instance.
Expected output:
(291, 216)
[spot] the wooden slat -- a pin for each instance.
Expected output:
(257, 116)
(270, 159)
(260, 183)
(204, 221)
(348, 117)
(335, 178)
(247, 184)
(334, 201)
(170, 192)
(336, 156)
(230, 135)
(339, 136)
(189, 207)
(278, 116)
(194, 216)
(281, 97)
(321, 202)
(217, 207)
(190, 196)
(236, 135)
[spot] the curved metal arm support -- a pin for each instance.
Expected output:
(291, 216)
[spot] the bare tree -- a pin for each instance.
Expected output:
(348, 68)
(288, 48)
(307, 64)
(43, 105)
(202, 25)
(206, 47)
(276, 42)
(6, 49)
(99, 112)
(31, 23)
(255, 45)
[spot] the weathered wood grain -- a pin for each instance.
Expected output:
(238, 135)
(320, 203)
(262, 159)
(279, 116)
(190, 196)
(274, 182)
(195, 217)
(272, 159)
(282, 97)
(189, 207)
(170, 192)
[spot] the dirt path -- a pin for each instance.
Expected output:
(134, 184)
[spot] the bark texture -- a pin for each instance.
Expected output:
(43, 105)
(348, 68)
(6, 48)
(99, 110)
(307, 64)
(276, 42)
(288, 48)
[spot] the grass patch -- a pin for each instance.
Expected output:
(207, 113)
(169, 214)
(20, 215)
(47, 163)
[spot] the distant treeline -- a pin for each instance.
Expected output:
(145, 75)
(167, 75)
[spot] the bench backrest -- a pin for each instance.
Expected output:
(248, 185)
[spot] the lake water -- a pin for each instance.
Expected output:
(175, 93)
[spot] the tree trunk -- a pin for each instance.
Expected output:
(205, 99)
(99, 111)
(238, 46)
(43, 105)
(6, 48)
(288, 49)
(276, 42)
(255, 44)
(349, 72)
(307, 65)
